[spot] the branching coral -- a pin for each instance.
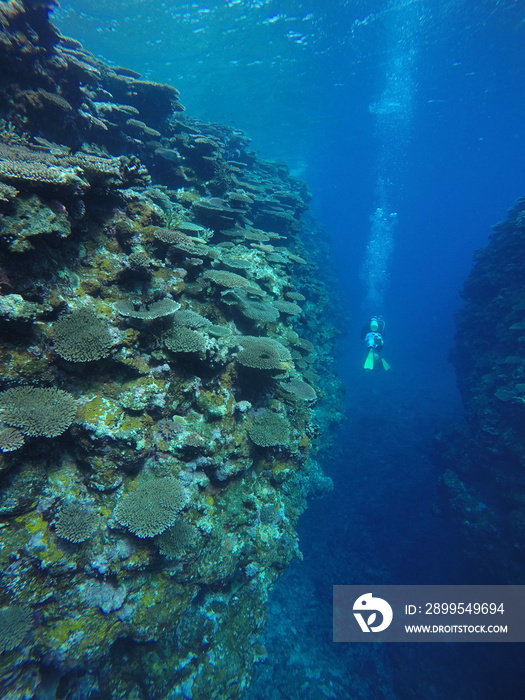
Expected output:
(185, 340)
(138, 260)
(262, 353)
(81, 337)
(299, 389)
(177, 539)
(230, 280)
(7, 192)
(147, 312)
(76, 522)
(10, 438)
(37, 411)
(287, 307)
(152, 508)
(295, 296)
(181, 242)
(190, 319)
(15, 623)
(218, 331)
(59, 168)
(37, 173)
(255, 309)
(270, 429)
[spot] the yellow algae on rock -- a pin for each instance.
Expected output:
(101, 415)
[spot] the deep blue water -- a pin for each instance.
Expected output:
(410, 107)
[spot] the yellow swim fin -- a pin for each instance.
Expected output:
(385, 364)
(369, 362)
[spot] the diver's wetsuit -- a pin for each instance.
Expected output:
(372, 336)
(378, 334)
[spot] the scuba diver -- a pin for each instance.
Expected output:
(372, 336)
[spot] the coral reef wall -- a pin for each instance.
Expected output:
(484, 478)
(165, 371)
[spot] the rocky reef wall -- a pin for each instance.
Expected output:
(166, 393)
(484, 465)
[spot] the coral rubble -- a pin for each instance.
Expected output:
(156, 402)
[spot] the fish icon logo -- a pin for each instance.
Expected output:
(369, 603)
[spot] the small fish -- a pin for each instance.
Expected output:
(58, 207)
(4, 279)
